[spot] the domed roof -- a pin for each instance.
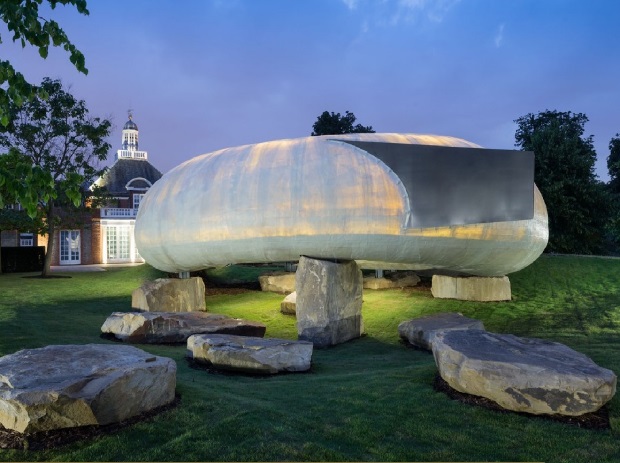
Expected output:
(130, 125)
(125, 171)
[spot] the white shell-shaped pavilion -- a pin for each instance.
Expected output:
(321, 197)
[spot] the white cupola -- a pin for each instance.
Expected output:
(129, 141)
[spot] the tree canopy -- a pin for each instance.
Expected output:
(335, 124)
(613, 164)
(564, 172)
(22, 19)
(54, 150)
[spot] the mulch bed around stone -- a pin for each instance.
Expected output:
(596, 420)
(44, 440)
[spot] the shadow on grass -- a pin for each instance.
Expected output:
(368, 399)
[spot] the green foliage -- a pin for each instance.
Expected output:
(335, 124)
(54, 149)
(22, 182)
(577, 202)
(613, 187)
(370, 399)
(613, 164)
(23, 21)
(12, 219)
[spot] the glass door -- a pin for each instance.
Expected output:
(69, 247)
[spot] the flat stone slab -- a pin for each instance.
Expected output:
(392, 281)
(67, 386)
(421, 331)
(480, 289)
(522, 374)
(170, 295)
(289, 305)
(278, 282)
(248, 354)
(167, 327)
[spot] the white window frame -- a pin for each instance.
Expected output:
(26, 239)
(139, 197)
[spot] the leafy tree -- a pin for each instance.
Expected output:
(23, 21)
(335, 124)
(576, 200)
(613, 164)
(55, 147)
(16, 176)
(613, 167)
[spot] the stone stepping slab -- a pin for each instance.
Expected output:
(169, 327)
(522, 374)
(250, 354)
(67, 386)
(393, 281)
(170, 295)
(470, 288)
(421, 331)
(278, 282)
(289, 304)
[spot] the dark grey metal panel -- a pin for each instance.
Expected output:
(458, 186)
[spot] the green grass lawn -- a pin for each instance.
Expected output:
(369, 399)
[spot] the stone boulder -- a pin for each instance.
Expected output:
(170, 295)
(277, 282)
(288, 305)
(421, 331)
(329, 301)
(251, 355)
(464, 288)
(78, 385)
(166, 327)
(521, 374)
(392, 281)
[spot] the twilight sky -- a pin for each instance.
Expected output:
(201, 75)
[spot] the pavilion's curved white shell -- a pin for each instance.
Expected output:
(320, 197)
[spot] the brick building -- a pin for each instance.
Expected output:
(106, 234)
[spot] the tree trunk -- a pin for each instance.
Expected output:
(51, 242)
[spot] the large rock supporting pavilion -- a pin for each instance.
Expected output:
(170, 295)
(470, 288)
(329, 301)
